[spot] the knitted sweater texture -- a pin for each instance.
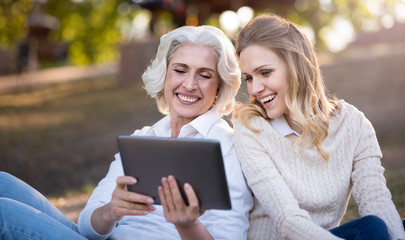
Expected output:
(300, 196)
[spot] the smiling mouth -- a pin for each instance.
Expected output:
(268, 98)
(187, 99)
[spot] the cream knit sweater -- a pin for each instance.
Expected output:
(298, 195)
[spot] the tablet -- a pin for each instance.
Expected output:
(198, 162)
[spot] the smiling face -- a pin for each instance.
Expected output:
(191, 83)
(267, 78)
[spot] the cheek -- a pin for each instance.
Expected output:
(171, 82)
(210, 90)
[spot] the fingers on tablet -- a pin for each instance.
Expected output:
(126, 180)
(192, 197)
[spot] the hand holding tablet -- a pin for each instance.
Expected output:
(195, 161)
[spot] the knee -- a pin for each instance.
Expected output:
(6, 179)
(374, 221)
(10, 185)
(4, 175)
(377, 226)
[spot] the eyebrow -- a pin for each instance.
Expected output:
(262, 66)
(186, 66)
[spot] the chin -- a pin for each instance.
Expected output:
(272, 115)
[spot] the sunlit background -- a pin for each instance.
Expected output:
(91, 29)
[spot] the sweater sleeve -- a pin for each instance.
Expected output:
(369, 185)
(269, 187)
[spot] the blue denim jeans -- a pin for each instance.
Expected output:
(368, 227)
(27, 214)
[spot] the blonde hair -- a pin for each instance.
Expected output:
(227, 65)
(309, 107)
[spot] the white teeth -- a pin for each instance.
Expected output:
(267, 99)
(187, 99)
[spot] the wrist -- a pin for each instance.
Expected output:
(194, 230)
(187, 225)
(102, 220)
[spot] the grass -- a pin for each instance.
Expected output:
(61, 138)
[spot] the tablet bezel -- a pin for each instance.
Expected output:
(198, 162)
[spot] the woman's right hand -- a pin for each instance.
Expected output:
(122, 203)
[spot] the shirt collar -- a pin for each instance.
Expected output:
(282, 127)
(202, 124)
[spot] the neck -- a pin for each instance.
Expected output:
(292, 124)
(177, 123)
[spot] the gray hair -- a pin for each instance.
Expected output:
(227, 65)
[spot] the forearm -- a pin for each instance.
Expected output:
(194, 231)
(102, 220)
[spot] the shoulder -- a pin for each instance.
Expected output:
(155, 129)
(254, 123)
(348, 112)
(348, 116)
(222, 132)
(221, 129)
(143, 131)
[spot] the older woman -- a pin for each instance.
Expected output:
(194, 79)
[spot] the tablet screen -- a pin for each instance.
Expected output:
(198, 162)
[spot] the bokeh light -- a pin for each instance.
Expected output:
(245, 14)
(229, 21)
(338, 34)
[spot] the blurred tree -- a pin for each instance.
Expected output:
(91, 27)
(13, 21)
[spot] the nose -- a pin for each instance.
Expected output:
(189, 82)
(255, 87)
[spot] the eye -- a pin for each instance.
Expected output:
(206, 76)
(266, 73)
(247, 78)
(179, 71)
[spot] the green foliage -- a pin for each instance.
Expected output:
(90, 27)
(13, 24)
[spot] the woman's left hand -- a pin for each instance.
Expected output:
(175, 209)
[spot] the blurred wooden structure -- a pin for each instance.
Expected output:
(37, 46)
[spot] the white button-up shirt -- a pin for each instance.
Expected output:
(222, 224)
(281, 126)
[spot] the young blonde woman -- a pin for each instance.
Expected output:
(303, 153)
